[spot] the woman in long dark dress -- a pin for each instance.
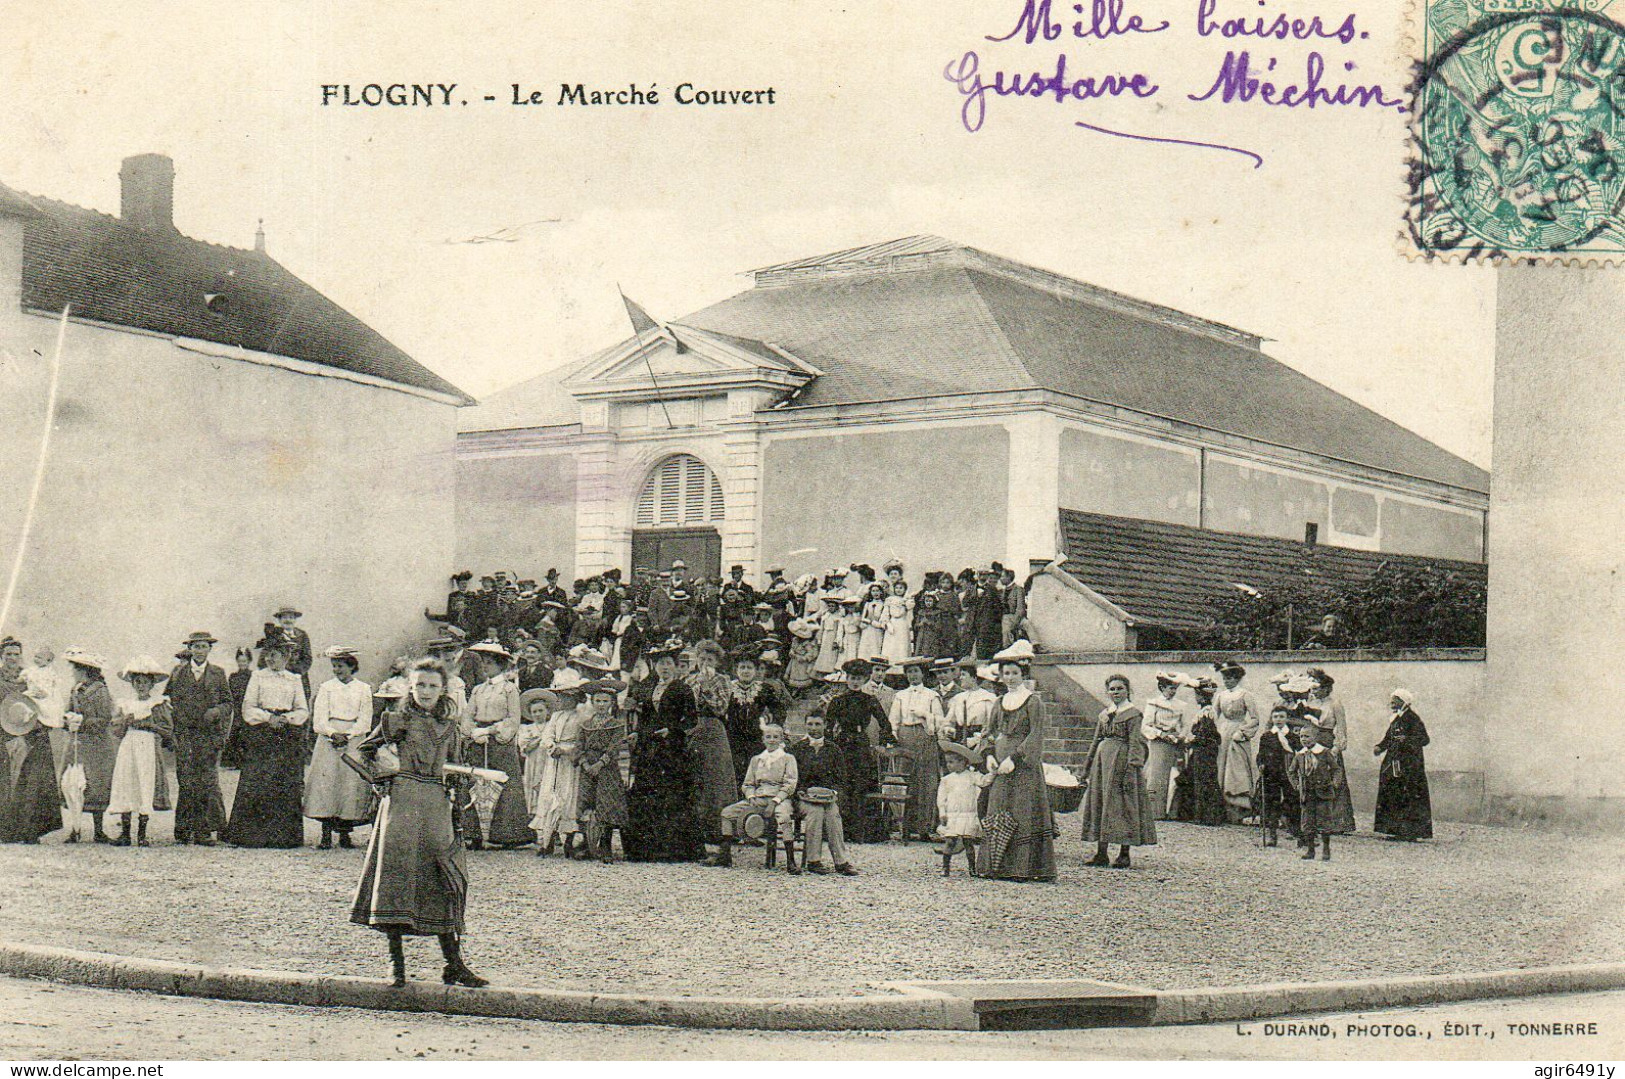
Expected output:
(660, 806)
(849, 714)
(1020, 831)
(1116, 809)
(29, 794)
(1404, 809)
(751, 705)
(268, 810)
(231, 756)
(413, 879)
(1198, 794)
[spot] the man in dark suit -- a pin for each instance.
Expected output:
(200, 697)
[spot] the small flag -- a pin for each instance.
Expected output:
(640, 318)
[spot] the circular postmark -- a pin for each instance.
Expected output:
(1520, 130)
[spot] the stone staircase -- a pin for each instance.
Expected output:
(1070, 711)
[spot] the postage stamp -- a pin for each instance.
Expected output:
(1518, 131)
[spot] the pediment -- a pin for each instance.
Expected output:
(691, 359)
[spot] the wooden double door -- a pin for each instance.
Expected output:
(655, 549)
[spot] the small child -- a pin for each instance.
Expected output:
(957, 819)
(1277, 800)
(603, 790)
(1317, 773)
(144, 724)
(769, 787)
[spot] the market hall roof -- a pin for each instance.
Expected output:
(1169, 575)
(925, 317)
(156, 279)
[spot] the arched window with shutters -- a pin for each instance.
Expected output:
(680, 491)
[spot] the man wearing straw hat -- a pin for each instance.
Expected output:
(200, 697)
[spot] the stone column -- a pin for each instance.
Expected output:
(1556, 537)
(1033, 512)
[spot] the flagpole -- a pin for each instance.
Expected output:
(637, 333)
(39, 468)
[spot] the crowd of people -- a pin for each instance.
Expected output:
(660, 713)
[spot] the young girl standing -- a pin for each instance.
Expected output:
(603, 791)
(145, 724)
(957, 819)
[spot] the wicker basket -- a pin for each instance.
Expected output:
(1062, 799)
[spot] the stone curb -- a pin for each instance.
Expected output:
(901, 1012)
(1299, 998)
(913, 1008)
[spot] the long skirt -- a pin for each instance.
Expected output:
(97, 751)
(920, 816)
(268, 809)
(334, 793)
(1238, 772)
(714, 786)
(557, 794)
(413, 880)
(1197, 797)
(603, 798)
(1116, 810)
(1159, 764)
(507, 822)
(135, 774)
(660, 824)
(29, 795)
(865, 818)
(1340, 821)
(1404, 805)
(1019, 841)
(200, 810)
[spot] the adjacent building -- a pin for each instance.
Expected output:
(224, 439)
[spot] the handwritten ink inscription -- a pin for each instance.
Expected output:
(1240, 78)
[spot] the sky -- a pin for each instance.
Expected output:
(865, 142)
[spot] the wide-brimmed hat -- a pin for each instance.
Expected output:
(603, 685)
(945, 663)
(531, 696)
(987, 672)
(957, 750)
(143, 665)
(1321, 676)
(923, 662)
(443, 644)
(1230, 666)
(390, 692)
(493, 649)
(891, 564)
(802, 629)
(857, 666)
(1020, 652)
(19, 715)
(287, 609)
(339, 651)
(568, 680)
(200, 637)
(835, 678)
(80, 657)
(775, 568)
(670, 647)
(1299, 684)
(590, 658)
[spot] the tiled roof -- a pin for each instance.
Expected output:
(922, 317)
(156, 280)
(1170, 575)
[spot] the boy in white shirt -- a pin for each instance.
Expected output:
(769, 787)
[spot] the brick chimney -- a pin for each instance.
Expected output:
(147, 192)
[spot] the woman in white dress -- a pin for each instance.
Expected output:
(341, 714)
(146, 724)
(873, 627)
(899, 619)
(1166, 724)
(557, 749)
(1236, 716)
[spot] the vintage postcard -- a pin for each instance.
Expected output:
(1068, 529)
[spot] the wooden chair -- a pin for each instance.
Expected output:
(896, 776)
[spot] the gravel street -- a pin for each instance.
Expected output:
(51, 1022)
(1207, 907)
